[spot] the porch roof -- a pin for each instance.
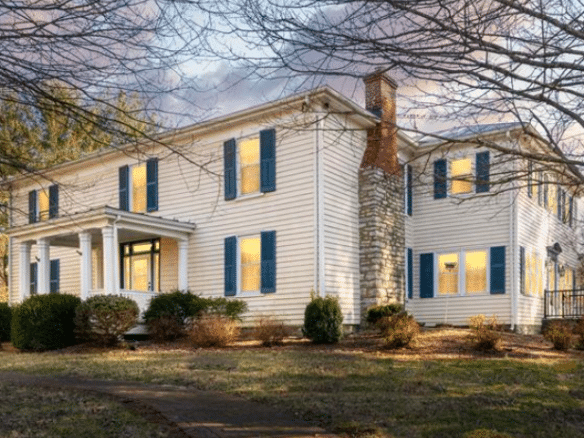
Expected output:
(64, 230)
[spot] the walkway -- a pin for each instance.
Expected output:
(189, 412)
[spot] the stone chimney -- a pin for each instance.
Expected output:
(381, 202)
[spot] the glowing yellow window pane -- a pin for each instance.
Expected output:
(249, 164)
(476, 271)
(448, 274)
(43, 205)
(461, 171)
(142, 248)
(250, 253)
(552, 198)
(139, 188)
(140, 271)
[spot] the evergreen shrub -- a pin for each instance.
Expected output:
(323, 320)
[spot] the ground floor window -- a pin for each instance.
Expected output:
(140, 268)
(462, 273)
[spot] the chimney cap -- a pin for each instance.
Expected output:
(380, 73)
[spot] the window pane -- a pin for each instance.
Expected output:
(43, 198)
(250, 250)
(249, 151)
(139, 188)
(140, 271)
(476, 271)
(249, 165)
(127, 274)
(250, 254)
(250, 179)
(250, 277)
(461, 171)
(141, 248)
(448, 274)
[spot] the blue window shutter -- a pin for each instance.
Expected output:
(426, 275)
(522, 269)
(560, 204)
(410, 273)
(229, 171)
(124, 190)
(498, 270)
(33, 278)
(32, 207)
(152, 184)
(268, 239)
(440, 179)
(571, 211)
(483, 168)
(268, 160)
(409, 189)
(53, 201)
(54, 281)
(230, 266)
(545, 193)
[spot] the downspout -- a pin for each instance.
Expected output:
(514, 242)
(10, 243)
(320, 280)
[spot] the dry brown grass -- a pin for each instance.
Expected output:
(213, 331)
(270, 331)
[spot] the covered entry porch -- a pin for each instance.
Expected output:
(114, 252)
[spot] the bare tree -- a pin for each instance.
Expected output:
(479, 60)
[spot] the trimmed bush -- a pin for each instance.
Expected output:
(214, 331)
(323, 320)
(103, 319)
(270, 331)
(168, 314)
(486, 335)
(5, 321)
(559, 333)
(375, 313)
(44, 322)
(398, 330)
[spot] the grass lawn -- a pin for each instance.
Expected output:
(440, 388)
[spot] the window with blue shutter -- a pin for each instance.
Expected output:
(32, 207)
(229, 170)
(410, 272)
(53, 201)
(268, 267)
(440, 186)
(124, 192)
(426, 275)
(230, 266)
(409, 189)
(483, 169)
(33, 278)
(152, 184)
(268, 160)
(522, 269)
(497, 270)
(54, 278)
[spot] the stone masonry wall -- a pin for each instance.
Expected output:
(382, 238)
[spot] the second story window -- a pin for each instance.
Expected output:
(461, 173)
(43, 204)
(457, 176)
(249, 165)
(138, 187)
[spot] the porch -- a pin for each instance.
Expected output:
(561, 304)
(116, 252)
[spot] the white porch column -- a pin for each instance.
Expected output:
(183, 257)
(24, 270)
(109, 260)
(85, 267)
(44, 267)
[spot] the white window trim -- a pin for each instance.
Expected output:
(239, 292)
(461, 273)
(240, 195)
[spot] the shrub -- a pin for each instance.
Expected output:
(168, 314)
(486, 433)
(323, 320)
(5, 321)
(213, 331)
(486, 335)
(270, 331)
(559, 333)
(375, 313)
(579, 331)
(398, 330)
(44, 322)
(103, 319)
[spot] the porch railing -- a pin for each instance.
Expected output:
(564, 303)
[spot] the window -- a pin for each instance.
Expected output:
(140, 265)
(43, 204)
(138, 187)
(250, 264)
(461, 172)
(462, 176)
(250, 165)
(448, 274)
(476, 272)
(54, 277)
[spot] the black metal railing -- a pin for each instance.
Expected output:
(563, 303)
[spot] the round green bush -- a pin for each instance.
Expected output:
(323, 320)
(44, 322)
(5, 321)
(103, 319)
(375, 313)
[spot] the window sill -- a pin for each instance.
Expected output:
(250, 196)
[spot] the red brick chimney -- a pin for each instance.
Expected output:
(381, 149)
